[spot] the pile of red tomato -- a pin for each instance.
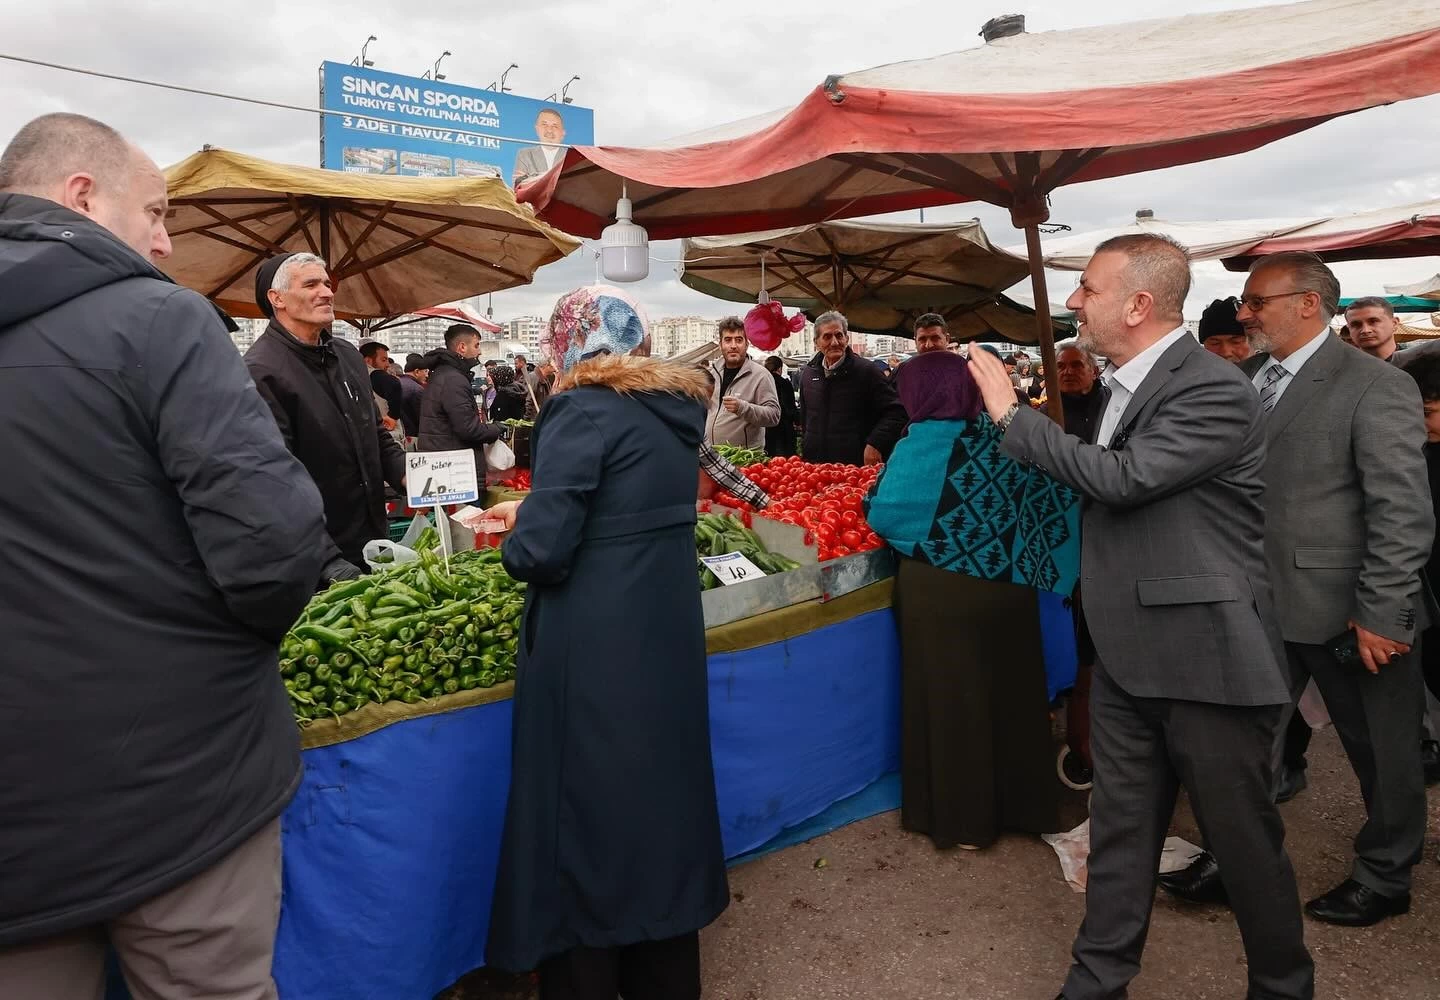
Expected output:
(519, 481)
(825, 500)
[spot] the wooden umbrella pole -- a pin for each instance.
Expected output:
(1044, 326)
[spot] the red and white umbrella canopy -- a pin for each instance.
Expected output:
(1383, 234)
(459, 314)
(1012, 119)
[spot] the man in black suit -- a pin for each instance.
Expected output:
(1348, 527)
(1173, 559)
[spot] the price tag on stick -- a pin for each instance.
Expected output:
(437, 478)
(732, 568)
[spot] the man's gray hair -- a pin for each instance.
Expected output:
(56, 146)
(1157, 264)
(1310, 274)
(285, 273)
(832, 317)
(1085, 352)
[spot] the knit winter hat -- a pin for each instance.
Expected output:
(264, 278)
(1219, 319)
(595, 319)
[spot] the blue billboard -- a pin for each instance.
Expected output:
(385, 123)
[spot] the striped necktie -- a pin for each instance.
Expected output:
(1270, 391)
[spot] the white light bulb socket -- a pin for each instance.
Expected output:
(624, 247)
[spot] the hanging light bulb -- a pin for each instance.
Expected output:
(624, 246)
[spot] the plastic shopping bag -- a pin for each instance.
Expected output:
(499, 457)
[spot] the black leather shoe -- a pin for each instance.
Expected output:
(1351, 904)
(1430, 757)
(1198, 882)
(1291, 782)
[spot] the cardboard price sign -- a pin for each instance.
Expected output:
(732, 568)
(433, 478)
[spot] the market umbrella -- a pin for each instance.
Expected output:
(1383, 234)
(1204, 240)
(881, 275)
(1009, 121)
(394, 244)
(1399, 303)
(453, 311)
(1428, 289)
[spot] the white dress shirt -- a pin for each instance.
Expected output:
(1123, 381)
(551, 154)
(1292, 365)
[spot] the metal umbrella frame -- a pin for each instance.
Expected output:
(881, 275)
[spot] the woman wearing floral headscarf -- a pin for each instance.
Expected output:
(611, 860)
(978, 535)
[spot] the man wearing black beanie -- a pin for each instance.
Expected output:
(319, 391)
(1222, 334)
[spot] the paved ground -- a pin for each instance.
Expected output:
(887, 916)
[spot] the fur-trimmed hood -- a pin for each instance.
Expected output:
(625, 374)
(676, 394)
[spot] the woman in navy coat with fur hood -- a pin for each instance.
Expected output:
(611, 860)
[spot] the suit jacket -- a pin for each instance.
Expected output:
(1349, 520)
(1173, 560)
(530, 162)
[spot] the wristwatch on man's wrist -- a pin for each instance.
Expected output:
(1007, 418)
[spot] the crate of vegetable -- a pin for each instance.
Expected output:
(721, 534)
(410, 633)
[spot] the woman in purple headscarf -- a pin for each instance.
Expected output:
(978, 537)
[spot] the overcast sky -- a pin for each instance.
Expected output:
(652, 69)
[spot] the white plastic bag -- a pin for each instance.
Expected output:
(499, 457)
(381, 553)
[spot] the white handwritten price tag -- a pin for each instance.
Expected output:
(732, 568)
(440, 477)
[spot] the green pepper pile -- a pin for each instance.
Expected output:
(717, 534)
(741, 457)
(407, 633)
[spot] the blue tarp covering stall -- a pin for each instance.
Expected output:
(391, 842)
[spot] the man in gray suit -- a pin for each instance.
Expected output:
(1348, 528)
(1187, 686)
(532, 161)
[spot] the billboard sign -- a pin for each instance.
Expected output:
(385, 123)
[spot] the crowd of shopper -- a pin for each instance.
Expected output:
(1261, 497)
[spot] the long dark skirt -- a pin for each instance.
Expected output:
(976, 752)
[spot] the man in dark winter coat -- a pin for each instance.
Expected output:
(412, 393)
(780, 439)
(385, 385)
(849, 411)
(159, 543)
(318, 389)
(450, 418)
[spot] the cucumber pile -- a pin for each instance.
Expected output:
(408, 633)
(717, 534)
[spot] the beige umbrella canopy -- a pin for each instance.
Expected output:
(394, 244)
(881, 275)
(1427, 289)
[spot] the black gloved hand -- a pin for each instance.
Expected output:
(338, 570)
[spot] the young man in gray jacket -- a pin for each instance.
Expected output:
(744, 402)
